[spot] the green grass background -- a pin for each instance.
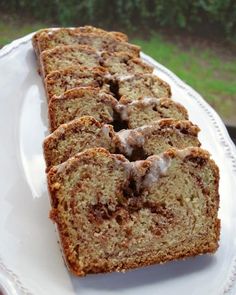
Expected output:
(208, 73)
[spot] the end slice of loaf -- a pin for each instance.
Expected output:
(49, 38)
(148, 110)
(77, 136)
(143, 85)
(64, 56)
(78, 102)
(122, 64)
(156, 138)
(113, 215)
(58, 82)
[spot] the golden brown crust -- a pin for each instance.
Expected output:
(183, 125)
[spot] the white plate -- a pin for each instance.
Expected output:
(30, 259)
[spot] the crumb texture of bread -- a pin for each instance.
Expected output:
(154, 139)
(62, 57)
(58, 82)
(86, 132)
(114, 215)
(79, 102)
(77, 136)
(143, 85)
(122, 64)
(147, 110)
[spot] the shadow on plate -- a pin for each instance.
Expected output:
(145, 276)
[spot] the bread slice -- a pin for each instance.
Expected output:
(78, 102)
(49, 38)
(86, 132)
(101, 43)
(143, 85)
(62, 57)
(148, 110)
(122, 64)
(77, 136)
(113, 215)
(154, 139)
(57, 82)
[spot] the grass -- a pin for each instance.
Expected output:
(12, 30)
(203, 69)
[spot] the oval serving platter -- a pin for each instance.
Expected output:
(30, 259)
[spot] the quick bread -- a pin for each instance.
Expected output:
(113, 215)
(128, 183)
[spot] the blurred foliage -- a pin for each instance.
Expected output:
(132, 15)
